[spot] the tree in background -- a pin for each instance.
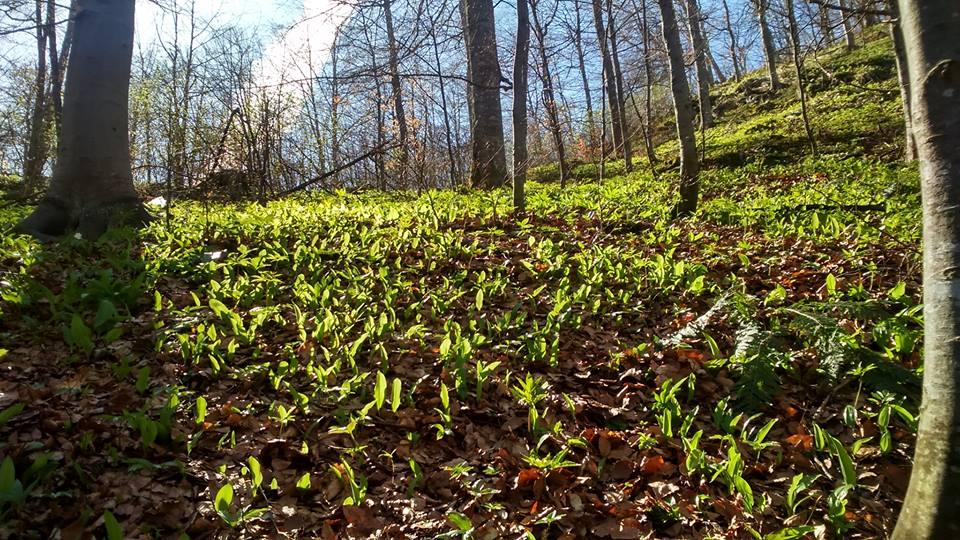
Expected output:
(521, 68)
(610, 81)
(794, 35)
(540, 29)
(683, 110)
(930, 29)
(92, 185)
(700, 61)
(489, 163)
(762, 8)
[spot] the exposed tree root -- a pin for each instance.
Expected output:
(52, 219)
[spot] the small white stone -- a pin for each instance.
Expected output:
(157, 201)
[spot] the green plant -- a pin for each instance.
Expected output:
(355, 483)
(223, 503)
(549, 461)
(798, 484)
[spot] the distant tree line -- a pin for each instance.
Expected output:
(419, 89)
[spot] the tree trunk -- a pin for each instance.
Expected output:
(717, 73)
(549, 97)
(609, 77)
(647, 88)
(399, 116)
(92, 185)
(581, 64)
(826, 26)
(766, 39)
(55, 99)
(930, 28)
(36, 155)
(489, 167)
(798, 70)
(700, 58)
(900, 54)
(448, 129)
(627, 150)
(869, 17)
(734, 49)
(521, 69)
(847, 25)
(335, 107)
(689, 162)
(380, 168)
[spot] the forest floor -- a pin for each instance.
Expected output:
(393, 366)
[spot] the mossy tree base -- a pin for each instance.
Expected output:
(53, 219)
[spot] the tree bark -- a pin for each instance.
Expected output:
(798, 71)
(734, 49)
(900, 54)
(335, 107)
(549, 97)
(521, 71)
(92, 185)
(647, 117)
(869, 16)
(700, 59)
(581, 64)
(399, 115)
(448, 129)
(683, 109)
(379, 166)
(609, 77)
(826, 26)
(627, 148)
(766, 39)
(848, 38)
(930, 28)
(56, 79)
(36, 155)
(717, 74)
(489, 166)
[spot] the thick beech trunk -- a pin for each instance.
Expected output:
(521, 73)
(92, 186)
(931, 509)
(689, 162)
(489, 168)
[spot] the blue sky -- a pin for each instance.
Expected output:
(286, 27)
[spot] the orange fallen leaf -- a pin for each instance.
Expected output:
(652, 465)
(527, 477)
(689, 354)
(801, 440)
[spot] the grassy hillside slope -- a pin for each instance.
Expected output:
(431, 366)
